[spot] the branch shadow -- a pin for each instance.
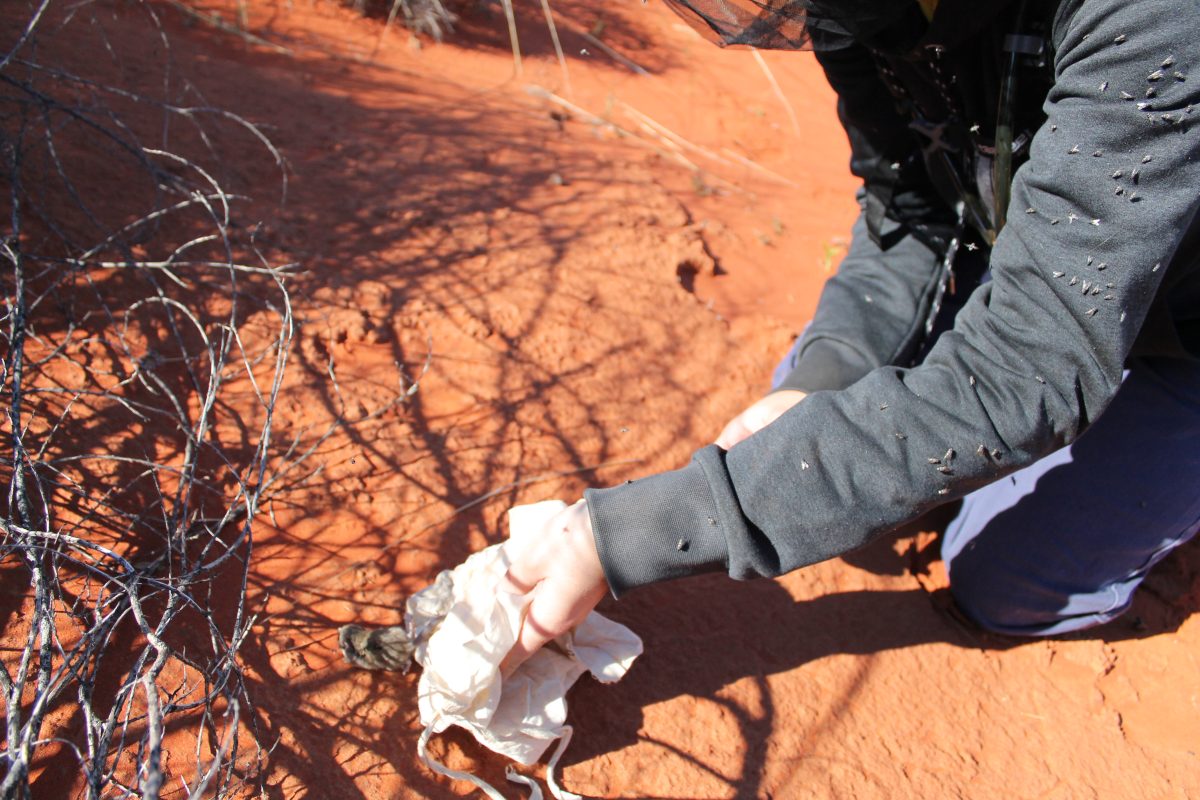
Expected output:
(707, 633)
(534, 269)
(514, 265)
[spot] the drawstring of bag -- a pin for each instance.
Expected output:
(535, 791)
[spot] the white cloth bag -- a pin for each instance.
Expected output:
(462, 627)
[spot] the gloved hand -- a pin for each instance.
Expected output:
(562, 571)
(758, 415)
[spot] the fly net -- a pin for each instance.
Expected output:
(796, 24)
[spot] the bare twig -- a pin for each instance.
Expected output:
(420, 16)
(124, 502)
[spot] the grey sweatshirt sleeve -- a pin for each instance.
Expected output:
(1034, 357)
(871, 312)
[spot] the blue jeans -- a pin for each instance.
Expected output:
(1061, 544)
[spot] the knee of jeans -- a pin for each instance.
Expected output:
(991, 611)
(1005, 600)
(996, 596)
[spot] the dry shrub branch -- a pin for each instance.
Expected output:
(145, 337)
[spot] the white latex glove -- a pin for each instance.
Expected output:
(758, 415)
(562, 572)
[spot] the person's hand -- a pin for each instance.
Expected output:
(758, 415)
(563, 572)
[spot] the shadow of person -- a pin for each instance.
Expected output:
(884, 555)
(704, 634)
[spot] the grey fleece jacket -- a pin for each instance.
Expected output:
(1033, 358)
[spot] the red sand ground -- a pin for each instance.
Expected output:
(596, 310)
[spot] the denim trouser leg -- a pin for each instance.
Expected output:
(1062, 544)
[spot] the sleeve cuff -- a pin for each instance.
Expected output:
(657, 528)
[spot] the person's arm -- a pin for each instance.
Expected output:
(1033, 358)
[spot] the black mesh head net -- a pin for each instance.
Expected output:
(801, 24)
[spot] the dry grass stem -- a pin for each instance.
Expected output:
(558, 51)
(512, 37)
(584, 115)
(613, 54)
(759, 168)
(662, 145)
(663, 131)
(223, 26)
(791, 112)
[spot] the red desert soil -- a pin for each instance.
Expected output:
(596, 308)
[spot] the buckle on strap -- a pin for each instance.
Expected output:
(1024, 44)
